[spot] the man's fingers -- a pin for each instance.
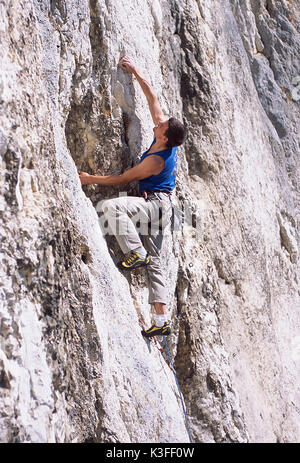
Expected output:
(124, 61)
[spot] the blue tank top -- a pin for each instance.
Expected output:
(165, 181)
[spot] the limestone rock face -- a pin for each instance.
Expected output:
(73, 364)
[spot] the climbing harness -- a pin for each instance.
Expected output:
(146, 194)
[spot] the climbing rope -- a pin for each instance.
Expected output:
(179, 390)
(188, 428)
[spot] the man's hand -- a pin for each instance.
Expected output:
(85, 178)
(127, 64)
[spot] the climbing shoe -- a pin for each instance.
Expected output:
(157, 331)
(133, 261)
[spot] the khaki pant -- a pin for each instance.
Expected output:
(136, 222)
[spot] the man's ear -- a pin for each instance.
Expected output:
(165, 137)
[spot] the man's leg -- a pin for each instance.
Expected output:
(157, 275)
(123, 216)
(160, 308)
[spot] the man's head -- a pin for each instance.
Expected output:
(175, 133)
(172, 132)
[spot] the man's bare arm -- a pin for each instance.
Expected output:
(156, 112)
(152, 165)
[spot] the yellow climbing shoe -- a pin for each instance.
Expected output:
(133, 261)
(157, 331)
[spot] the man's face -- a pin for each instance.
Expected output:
(160, 129)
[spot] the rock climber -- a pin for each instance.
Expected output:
(156, 173)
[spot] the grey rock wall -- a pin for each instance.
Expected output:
(73, 365)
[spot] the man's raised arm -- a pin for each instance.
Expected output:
(156, 112)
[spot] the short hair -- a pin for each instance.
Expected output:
(176, 133)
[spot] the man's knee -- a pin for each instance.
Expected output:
(107, 206)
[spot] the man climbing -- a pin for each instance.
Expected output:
(156, 173)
